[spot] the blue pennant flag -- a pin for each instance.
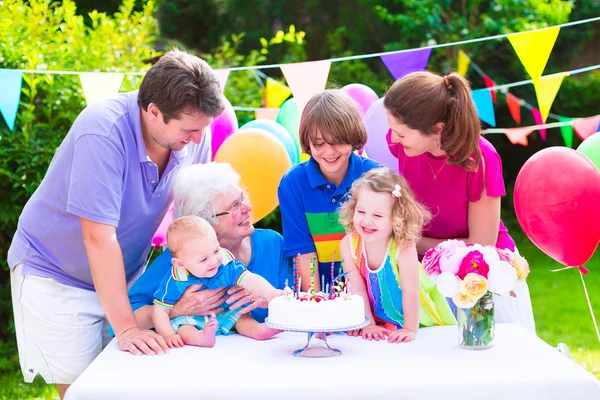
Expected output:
(484, 105)
(10, 95)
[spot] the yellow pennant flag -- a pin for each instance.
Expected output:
(275, 93)
(463, 63)
(534, 48)
(546, 89)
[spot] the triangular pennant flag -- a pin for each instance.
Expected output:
(533, 49)
(488, 82)
(222, 76)
(545, 89)
(463, 63)
(567, 131)
(400, 64)
(266, 113)
(483, 102)
(306, 79)
(275, 93)
(585, 127)
(537, 117)
(514, 106)
(100, 85)
(518, 135)
(10, 95)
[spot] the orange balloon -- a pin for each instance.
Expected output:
(261, 160)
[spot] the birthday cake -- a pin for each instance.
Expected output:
(318, 311)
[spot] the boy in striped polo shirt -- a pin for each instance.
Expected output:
(310, 193)
(198, 258)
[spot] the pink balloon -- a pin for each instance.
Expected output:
(160, 236)
(556, 195)
(377, 127)
(222, 127)
(363, 95)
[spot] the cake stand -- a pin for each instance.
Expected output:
(317, 352)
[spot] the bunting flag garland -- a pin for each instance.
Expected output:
(533, 49)
(222, 76)
(401, 64)
(306, 79)
(275, 93)
(100, 85)
(546, 89)
(518, 135)
(537, 117)
(10, 95)
(266, 113)
(463, 63)
(483, 102)
(567, 131)
(585, 127)
(488, 82)
(514, 106)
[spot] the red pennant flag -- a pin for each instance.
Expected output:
(518, 135)
(585, 127)
(514, 106)
(537, 117)
(490, 83)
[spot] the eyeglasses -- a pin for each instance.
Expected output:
(236, 207)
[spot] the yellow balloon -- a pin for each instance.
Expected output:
(261, 160)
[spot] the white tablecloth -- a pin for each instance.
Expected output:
(519, 366)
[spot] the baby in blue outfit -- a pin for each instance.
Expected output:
(198, 258)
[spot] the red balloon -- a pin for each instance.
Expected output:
(557, 202)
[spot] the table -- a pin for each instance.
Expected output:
(519, 366)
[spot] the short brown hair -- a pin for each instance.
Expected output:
(185, 228)
(334, 115)
(181, 83)
(422, 99)
(409, 216)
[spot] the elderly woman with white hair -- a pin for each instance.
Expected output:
(211, 191)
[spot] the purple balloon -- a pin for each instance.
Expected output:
(377, 127)
(363, 95)
(222, 127)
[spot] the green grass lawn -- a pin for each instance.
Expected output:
(559, 305)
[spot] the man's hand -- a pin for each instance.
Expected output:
(238, 297)
(194, 302)
(138, 342)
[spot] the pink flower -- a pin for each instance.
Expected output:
(505, 255)
(473, 262)
(431, 261)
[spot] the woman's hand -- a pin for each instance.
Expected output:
(194, 302)
(138, 342)
(402, 336)
(238, 297)
(375, 332)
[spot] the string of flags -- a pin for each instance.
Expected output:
(308, 78)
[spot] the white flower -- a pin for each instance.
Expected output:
(501, 278)
(448, 284)
(450, 259)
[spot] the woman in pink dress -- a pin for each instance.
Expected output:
(453, 170)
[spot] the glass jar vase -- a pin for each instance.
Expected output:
(476, 325)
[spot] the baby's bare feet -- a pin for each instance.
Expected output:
(263, 332)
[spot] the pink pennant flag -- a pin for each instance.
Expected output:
(222, 76)
(518, 135)
(488, 82)
(537, 117)
(514, 106)
(306, 79)
(585, 127)
(400, 64)
(267, 113)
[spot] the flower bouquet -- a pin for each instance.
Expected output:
(470, 275)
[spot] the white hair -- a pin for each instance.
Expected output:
(197, 187)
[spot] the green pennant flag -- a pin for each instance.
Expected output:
(567, 131)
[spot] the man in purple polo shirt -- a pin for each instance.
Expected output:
(85, 232)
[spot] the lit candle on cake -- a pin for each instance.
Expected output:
(312, 278)
(294, 274)
(332, 268)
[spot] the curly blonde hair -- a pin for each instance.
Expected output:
(409, 216)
